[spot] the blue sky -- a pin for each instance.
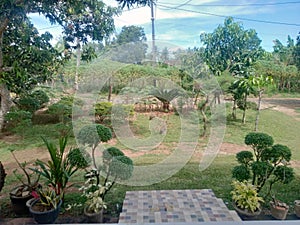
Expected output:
(180, 22)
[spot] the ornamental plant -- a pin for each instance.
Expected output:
(245, 196)
(267, 163)
(115, 165)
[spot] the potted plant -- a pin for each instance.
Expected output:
(278, 209)
(62, 165)
(94, 205)
(297, 208)
(46, 206)
(20, 194)
(245, 199)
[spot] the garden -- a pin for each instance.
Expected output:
(49, 163)
(99, 114)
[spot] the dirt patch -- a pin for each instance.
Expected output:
(29, 156)
(232, 149)
(287, 106)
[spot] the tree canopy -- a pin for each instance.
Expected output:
(231, 47)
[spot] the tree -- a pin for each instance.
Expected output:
(296, 52)
(130, 46)
(241, 89)
(268, 163)
(231, 48)
(94, 21)
(14, 13)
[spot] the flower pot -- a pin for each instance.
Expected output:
(19, 202)
(44, 217)
(94, 217)
(297, 208)
(279, 211)
(246, 212)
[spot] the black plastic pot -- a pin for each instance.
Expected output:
(19, 203)
(46, 217)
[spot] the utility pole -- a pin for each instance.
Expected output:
(153, 33)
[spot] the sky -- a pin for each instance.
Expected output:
(180, 22)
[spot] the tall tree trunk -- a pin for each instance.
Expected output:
(110, 89)
(5, 103)
(244, 110)
(78, 56)
(4, 92)
(204, 117)
(234, 107)
(258, 109)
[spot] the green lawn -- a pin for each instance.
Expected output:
(284, 129)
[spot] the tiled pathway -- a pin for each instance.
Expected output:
(174, 206)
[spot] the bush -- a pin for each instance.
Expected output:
(17, 118)
(64, 108)
(102, 111)
(33, 101)
(269, 163)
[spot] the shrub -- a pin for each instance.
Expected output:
(18, 118)
(245, 196)
(268, 164)
(64, 108)
(32, 101)
(102, 111)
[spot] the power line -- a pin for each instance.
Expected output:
(183, 4)
(235, 17)
(230, 5)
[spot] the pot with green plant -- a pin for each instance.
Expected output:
(245, 199)
(278, 209)
(115, 165)
(267, 164)
(20, 194)
(46, 206)
(62, 164)
(297, 208)
(94, 205)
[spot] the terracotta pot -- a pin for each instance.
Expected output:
(279, 212)
(297, 208)
(94, 217)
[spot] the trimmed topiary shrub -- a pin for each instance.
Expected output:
(269, 163)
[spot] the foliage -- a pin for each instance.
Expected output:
(296, 52)
(65, 107)
(246, 196)
(165, 96)
(115, 167)
(62, 164)
(231, 48)
(94, 196)
(102, 111)
(92, 135)
(32, 179)
(47, 198)
(17, 118)
(130, 46)
(269, 162)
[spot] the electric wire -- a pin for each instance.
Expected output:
(235, 17)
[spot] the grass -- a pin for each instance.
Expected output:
(283, 128)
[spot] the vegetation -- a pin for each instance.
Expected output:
(246, 197)
(244, 71)
(269, 162)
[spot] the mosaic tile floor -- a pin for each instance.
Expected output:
(174, 206)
